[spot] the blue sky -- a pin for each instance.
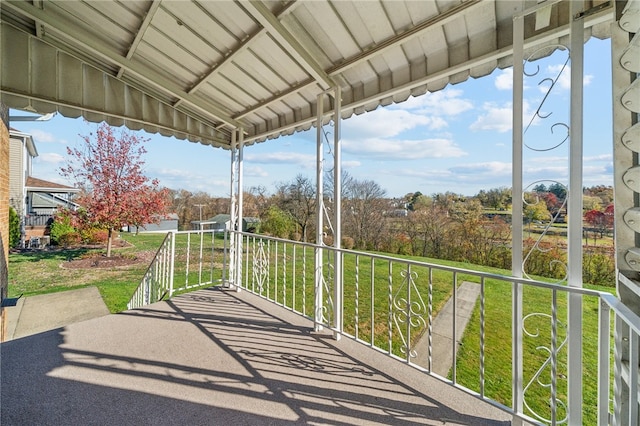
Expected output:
(457, 139)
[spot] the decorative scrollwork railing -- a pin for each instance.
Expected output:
(409, 310)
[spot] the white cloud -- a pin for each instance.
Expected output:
(601, 157)
(351, 164)
(255, 171)
(490, 168)
(174, 173)
(282, 157)
(403, 149)
(447, 102)
(50, 157)
(42, 136)
(389, 122)
(498, 118)
(564, 80)
(504, 80)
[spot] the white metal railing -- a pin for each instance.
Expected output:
(394, 305)
(399, 306)
(184, 261)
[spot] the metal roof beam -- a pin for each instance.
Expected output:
(140, 33)
(287, 40)
(241, 48)
(392, 42)
(467, 65)
(150, 76)
(401, 38)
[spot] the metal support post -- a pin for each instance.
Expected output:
(239, 219)
(574, 212)
(337, 221)
(172, 261)
(318, 284)
(233, 216)
(517, 216)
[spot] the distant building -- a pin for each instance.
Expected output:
(222, 222)
(168, 223)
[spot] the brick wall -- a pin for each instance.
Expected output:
(4, 213)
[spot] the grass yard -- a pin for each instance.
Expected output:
(40, 272)
(498, 329)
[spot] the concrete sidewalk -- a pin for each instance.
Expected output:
(442, 331)
(36, 314)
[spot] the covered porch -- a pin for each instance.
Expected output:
(274, 68)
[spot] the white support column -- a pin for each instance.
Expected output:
(172, 261)
(337, 217)
(239, 219)
(517, 215)
(318, 306)
(574, 213)
(232, 213)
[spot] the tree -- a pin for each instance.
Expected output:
(591, 203)
(495, 198)
(277, 222)
(363, 214)
(114, 191)
(298, 198)
(558, 190)
(427, 229)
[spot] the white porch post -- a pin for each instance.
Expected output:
(574, 212)
(318, 306)
(516, 216)
(232, 212)
(239, 219)
(337, 218)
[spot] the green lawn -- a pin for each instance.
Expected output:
(39, 272)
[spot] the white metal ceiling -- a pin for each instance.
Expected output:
(199, 69)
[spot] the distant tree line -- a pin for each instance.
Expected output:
(474, 229)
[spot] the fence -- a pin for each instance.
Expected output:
(184, 261)
(513, 349)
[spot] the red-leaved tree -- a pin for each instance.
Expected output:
(114, 191)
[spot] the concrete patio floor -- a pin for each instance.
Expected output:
(213, 357)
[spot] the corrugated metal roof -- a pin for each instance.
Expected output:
(199, 69)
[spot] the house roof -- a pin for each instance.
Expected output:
(35, 184)
(28, 141)
(198, 70)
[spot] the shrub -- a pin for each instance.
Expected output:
(94, 236)
(69, 239)
(599, 268)
(62, 226)
(348, 243)
(14, 228)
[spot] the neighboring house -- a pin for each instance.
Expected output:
(169, 223)
(222, 222)
(35, 200)
(44, 198)
(22, 150)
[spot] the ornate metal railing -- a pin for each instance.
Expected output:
(455, 324)
(184, 261)
(461, 326)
